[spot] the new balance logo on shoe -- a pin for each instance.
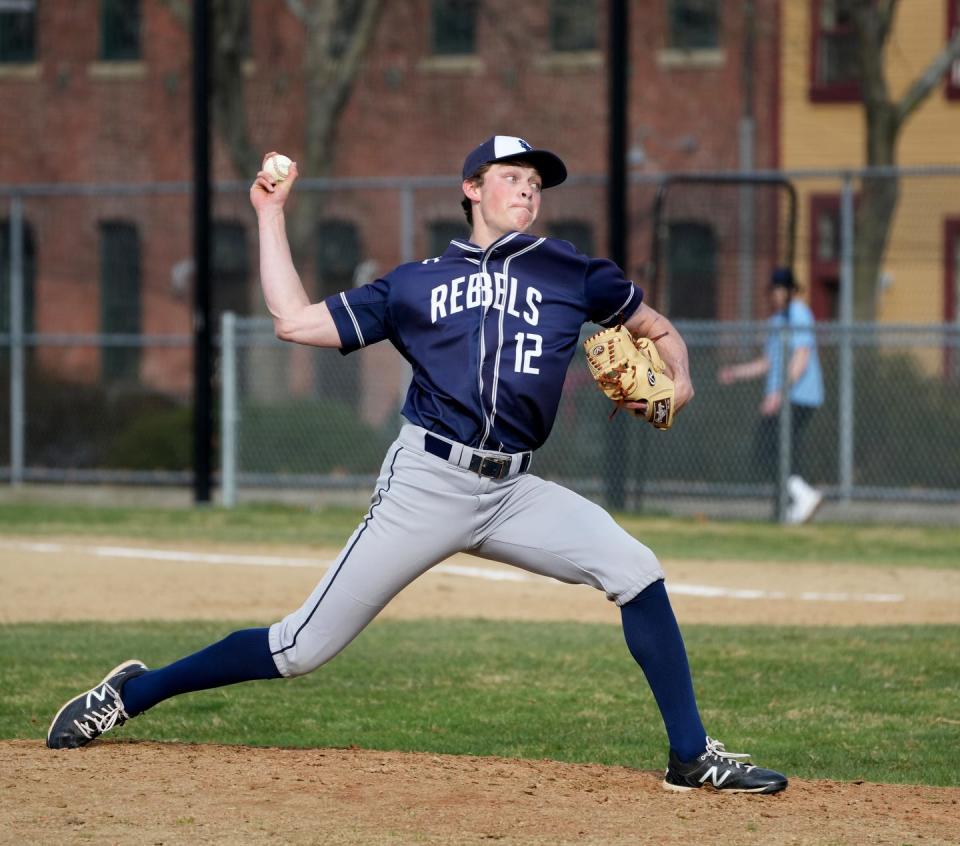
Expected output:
(718, 777)
(101, 694)
(95, 711)
(721, 770)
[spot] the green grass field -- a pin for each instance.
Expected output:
(878, 704)
(903, 546)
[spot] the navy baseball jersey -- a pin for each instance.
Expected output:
(489, 333)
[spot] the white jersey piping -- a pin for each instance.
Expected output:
(496, 365)
(487, 422)
(633, 290)
(356, 325)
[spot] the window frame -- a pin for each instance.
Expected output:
(120, 364)
(951, 294)
(673, 45)
(16, 61)
(29, 277)
(107, 51)
(229, 235)
(705, 230)
(824, 274)
(827, 92)
(554, 15)
(434, 46)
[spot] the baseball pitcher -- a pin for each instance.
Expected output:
(489, 328)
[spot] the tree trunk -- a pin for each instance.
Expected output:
(229, 90)
(877, 204)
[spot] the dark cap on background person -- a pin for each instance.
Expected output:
(782, 277)
(510, 148)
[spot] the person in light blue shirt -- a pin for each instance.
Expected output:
(805, 381)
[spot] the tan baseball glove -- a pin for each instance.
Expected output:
(631, 370)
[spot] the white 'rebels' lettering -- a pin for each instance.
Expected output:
(474, 291)
(438, 303)
(525, 354)
(715, 776)
(481, 290)
(512, 307)
(532, 313)
(456, 294)
(500, 291)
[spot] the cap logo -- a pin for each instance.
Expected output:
(524, 144)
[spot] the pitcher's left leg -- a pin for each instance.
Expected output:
(547, 529)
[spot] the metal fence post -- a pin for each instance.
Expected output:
(17, 392)
(781, 500)
(228, 409)
(406, 223)
(846, 378)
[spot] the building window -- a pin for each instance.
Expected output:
(338, 256)
(230, 266)
(692, 271)
(29, 276)
(833, 64)
(441, 232)
(577, 232)
(120, 30)
(825, 256)
(953, 75)
(951, 295)
(454, 25)
(18, 31)
(120, 298)
(693, 24)
(573, 25)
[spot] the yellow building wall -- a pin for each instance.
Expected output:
(831, 135)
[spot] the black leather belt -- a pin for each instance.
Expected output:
(496, 466)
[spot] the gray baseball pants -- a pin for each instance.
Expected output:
(427, 508)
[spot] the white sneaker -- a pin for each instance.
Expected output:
(806, 501)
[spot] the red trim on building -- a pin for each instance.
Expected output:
(824, 272)
(777, 106)
(951, 249)
(951, 245)
(952, 84)
(827, 92)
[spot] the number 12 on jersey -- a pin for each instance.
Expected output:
(529, 347)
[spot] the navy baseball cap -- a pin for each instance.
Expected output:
(783, 277)
(500, 147)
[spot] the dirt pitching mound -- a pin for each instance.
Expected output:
(125, 792)
(149, 793)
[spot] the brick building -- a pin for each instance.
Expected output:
(97, 93)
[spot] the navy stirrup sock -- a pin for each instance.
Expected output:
(653, 638)
(241, 656)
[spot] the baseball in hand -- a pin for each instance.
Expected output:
(278, 166)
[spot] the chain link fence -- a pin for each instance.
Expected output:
(96, 340)
(893, 450)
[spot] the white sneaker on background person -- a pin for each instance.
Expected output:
(805, 500)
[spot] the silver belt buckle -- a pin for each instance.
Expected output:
(493, 468)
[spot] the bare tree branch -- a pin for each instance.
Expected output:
(329, 78)
(929, 79)
(180, 9)
(298, 10)
(230, 40)
(872, 30)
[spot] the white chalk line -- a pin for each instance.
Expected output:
(188, 557)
